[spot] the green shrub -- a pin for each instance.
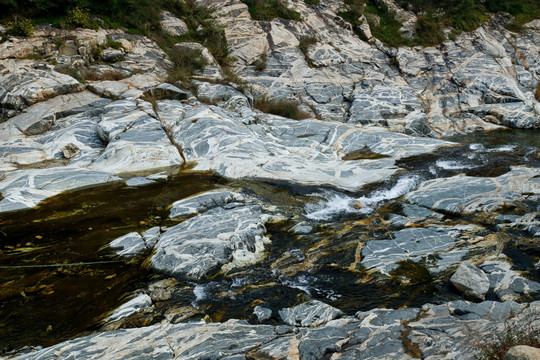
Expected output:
(429, 30)
(185, 63)
(312, 2)
(537, 92)
(281, 107)
(270, 9)
(20, 27)
(495, 347)
(78, 17)
(113, 44)
(388, 29)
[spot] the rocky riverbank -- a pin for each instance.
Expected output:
(357, 233)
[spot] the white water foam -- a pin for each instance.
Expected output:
(453, 165)
(335, 204)
(476, 147)
(200, 292)
(307, 284)
(338, 204)
(504, 148)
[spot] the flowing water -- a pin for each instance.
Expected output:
(58, 279)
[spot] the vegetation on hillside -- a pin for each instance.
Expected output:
(433, 15)
(137, 16)
(270, 9)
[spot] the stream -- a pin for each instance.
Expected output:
(59, 279)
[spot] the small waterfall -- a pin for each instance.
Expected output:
(336, 204)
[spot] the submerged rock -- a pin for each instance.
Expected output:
(471, 281)
(262, 313)
(414, 244)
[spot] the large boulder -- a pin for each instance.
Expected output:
(471, 281)
(222, 237)
(522, 352)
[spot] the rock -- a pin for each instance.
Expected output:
(522, 352)
(112, 55)
(24, 84)
(506, 283)
(151, 236)
(220, 239)
(70, 150)
(446, 84)
(307, 152)
(469, 195)
(262, 313)
(40, 117)
(26, 188)
(225, 96)
(415, 244)
(166, 91)
(132, 87)
(129, 245)
(201, 203)
(172, 25)
(471, 281)
(312, 313)
(136, 139)
(378, 334)
(138, 303)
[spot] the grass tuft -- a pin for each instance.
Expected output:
(281, 107)
(304, 45)
(185, 63)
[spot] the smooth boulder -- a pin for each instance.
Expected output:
(471, 281)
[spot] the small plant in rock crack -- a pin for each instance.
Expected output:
(494, 347)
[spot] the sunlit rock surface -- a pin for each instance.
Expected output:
(26, 188)
(221, 237)
(468, 195)
(433, 332)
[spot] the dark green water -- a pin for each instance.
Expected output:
(44, 305)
